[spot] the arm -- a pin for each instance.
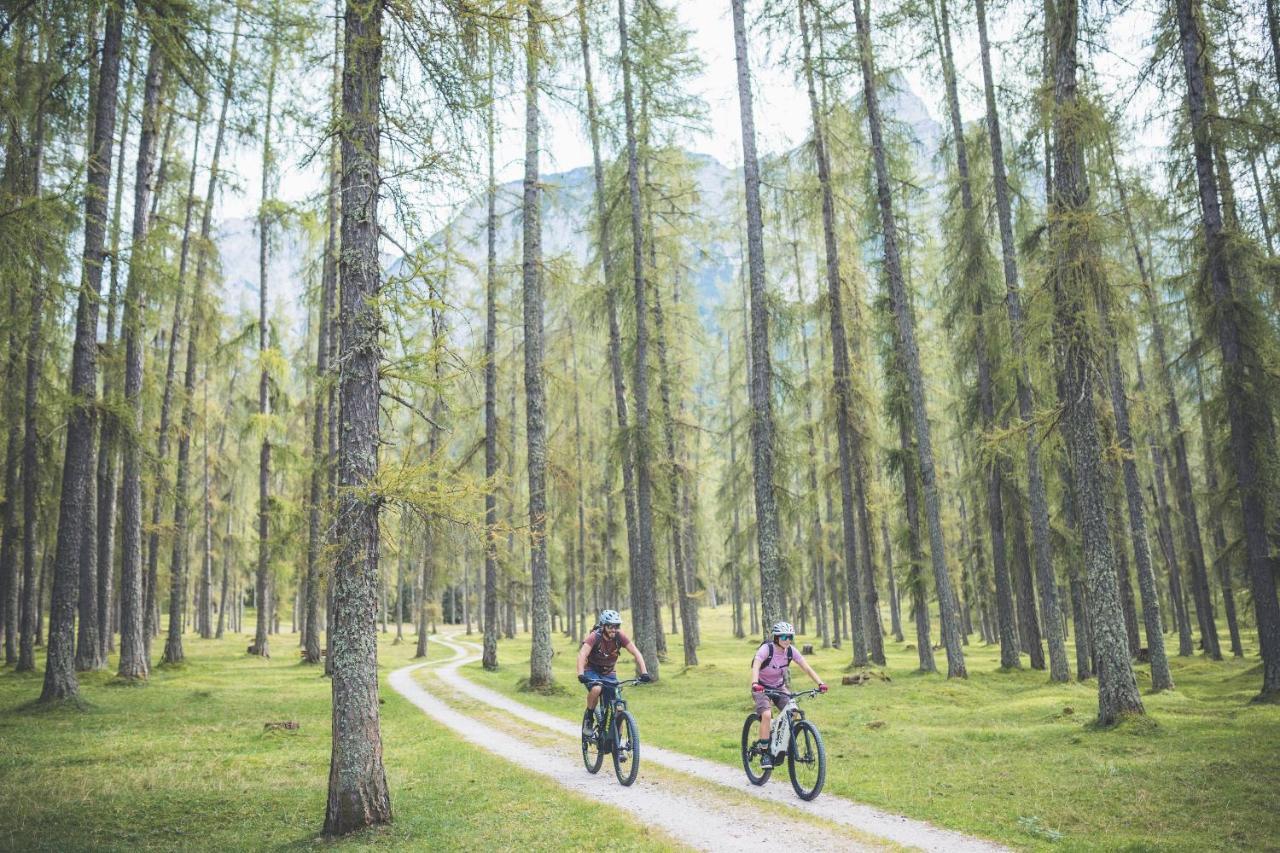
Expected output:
(582, 657)
(635, 653)
(755, 671)
(804, 664)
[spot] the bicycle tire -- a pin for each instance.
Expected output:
(807, 760)
(589, 748)
(626, 748)
(756, 774)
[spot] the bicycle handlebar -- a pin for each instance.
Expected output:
(786, 695)
(628, 683)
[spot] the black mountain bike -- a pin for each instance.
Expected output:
(791, 734)
(616, 734)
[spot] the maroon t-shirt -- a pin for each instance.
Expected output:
(604, 655)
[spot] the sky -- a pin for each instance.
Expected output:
(781, 107)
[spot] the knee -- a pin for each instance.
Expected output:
(595, 692)
(766, 717)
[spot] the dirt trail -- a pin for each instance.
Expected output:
(691, 814)
(699, 816)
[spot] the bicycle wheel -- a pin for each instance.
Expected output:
(807, 760)
(626, 748)
(756, 774)
(592, 751)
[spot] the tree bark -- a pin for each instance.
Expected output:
(644, 607)
(846, 439)
(534, 347)
(358, 794)
(949, 611)
(489, 657)
(762, 432)
(1243, 410)
(1076, 269)
(262, 596)
(1036, 488)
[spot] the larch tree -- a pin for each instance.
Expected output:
(1075, 274)
(358, 793)
(949, 610)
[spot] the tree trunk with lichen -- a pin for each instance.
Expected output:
(358, 794)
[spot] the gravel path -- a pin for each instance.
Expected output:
(702, 824)
(692, 814)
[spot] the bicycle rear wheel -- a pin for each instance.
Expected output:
(756, 774)
(592, 751)
(807, 760)
(626, 748)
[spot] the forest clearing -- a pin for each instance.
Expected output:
(373, 373)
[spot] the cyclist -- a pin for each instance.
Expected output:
(598, 657)
(768, 671)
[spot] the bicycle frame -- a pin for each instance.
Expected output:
(786, 719)
(611, 709)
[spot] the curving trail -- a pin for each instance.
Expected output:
(701, 815)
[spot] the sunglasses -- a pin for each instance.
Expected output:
(786, 636)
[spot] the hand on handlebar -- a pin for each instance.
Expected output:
(822, 687)
(645, 678)
(757, 687)
(584, 678)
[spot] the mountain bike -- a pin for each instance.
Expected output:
(793, 735)
(615, 733)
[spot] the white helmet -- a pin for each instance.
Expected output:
(782, 628)
(610, 617)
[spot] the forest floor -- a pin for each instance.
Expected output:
(184, 763)
(1003, 755)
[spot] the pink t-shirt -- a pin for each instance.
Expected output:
(774, 664)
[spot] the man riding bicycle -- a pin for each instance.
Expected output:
(597, 659)
(768, 672)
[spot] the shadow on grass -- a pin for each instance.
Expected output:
(76, 705)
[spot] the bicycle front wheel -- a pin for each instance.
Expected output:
(807, 760)
(626, 748)
(592, 750)
(756, 774)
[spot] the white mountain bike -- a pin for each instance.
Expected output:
(791, 734)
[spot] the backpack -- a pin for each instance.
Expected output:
(598, 630)
(769, 645)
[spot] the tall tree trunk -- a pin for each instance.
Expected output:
(173, 652)
(949, 611)
(579, 631)
(1222, 561)
(846, 439)
(1243, 411)
(137, 612)
(59, 678)
(8, 521)
(534, 347)
(358, 794)
(1161, 677)
(767, 536)
(611, 298)
(109, 440)
(915, 553)
(262, 597)
(1059, 669)
(680, 590)
(1076, 271)
(489, 657)
(644, 605)
(1029, 636)
(815, 545)
(319, 452)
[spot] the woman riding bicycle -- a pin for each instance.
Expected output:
(598, 657)
(768, 672)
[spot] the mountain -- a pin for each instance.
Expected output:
(568, 225)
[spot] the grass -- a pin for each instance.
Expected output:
(1004, 755)
(183, 762)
